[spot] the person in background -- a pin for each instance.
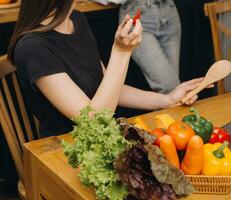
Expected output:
(158, 53)
(61, 72)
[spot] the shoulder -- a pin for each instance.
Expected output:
(30, 42)
(32, 45)
(29, 46)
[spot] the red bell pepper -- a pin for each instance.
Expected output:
(219, 135)
(137, 16)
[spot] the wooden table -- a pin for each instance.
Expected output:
(48, 175)
(11, 14)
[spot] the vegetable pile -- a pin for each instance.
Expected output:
(192, 144)
(120, 160)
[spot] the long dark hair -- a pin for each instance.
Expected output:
(32, 13)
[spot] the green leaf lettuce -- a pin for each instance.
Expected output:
(97, 143)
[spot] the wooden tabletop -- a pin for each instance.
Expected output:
(49, 176)
(11, 14)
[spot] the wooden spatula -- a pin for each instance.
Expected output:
(216, 72)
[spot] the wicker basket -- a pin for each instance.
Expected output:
(211, 184)
(14, 4)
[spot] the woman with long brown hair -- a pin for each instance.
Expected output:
(61, 72)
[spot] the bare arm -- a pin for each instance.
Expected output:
(135, 98)
(140, 99)
(132, 97)
(108, 93)
(69, 99)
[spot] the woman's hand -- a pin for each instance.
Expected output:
(181, 90)
(125, 39)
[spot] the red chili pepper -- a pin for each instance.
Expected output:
(219, 135)
(137, 16)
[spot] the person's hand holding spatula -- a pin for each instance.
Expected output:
(216, 72)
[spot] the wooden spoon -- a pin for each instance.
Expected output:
(216, 72)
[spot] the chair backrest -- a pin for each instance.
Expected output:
(14, 118)
(213, 10)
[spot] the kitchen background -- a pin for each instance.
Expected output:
(196, 58)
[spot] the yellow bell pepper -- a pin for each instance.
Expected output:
(217, 159)
(139, 122)
(163, 121)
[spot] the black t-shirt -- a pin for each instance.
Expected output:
(41, 54)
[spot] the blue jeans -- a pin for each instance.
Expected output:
(158, 53)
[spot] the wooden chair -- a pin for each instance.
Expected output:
(14, 119)
(213, 10)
